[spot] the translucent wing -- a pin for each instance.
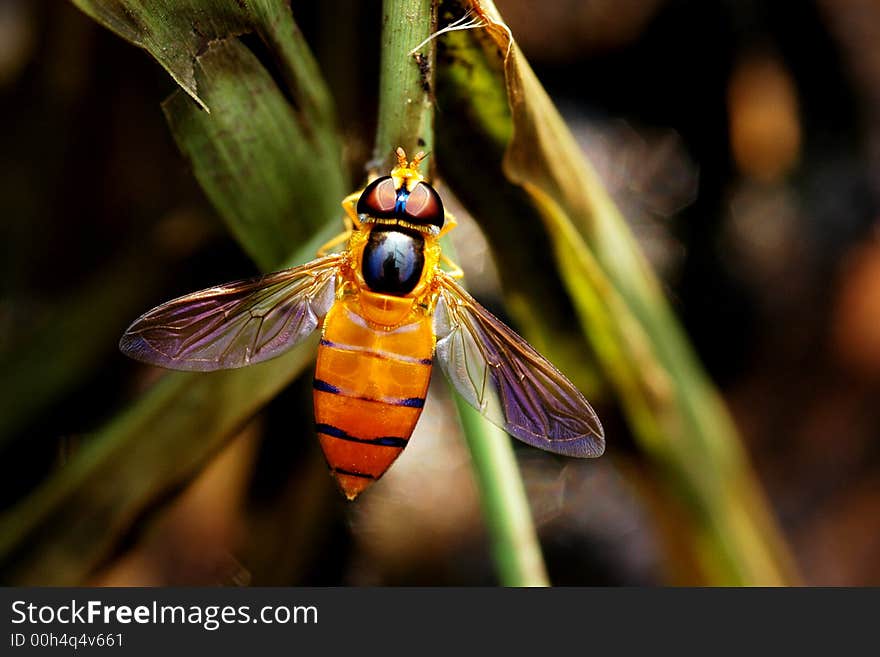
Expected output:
(509, 382)
(236, 324)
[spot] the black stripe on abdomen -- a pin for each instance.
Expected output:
(412, 402)
(323, 386)
(383, 441)
(352, 473)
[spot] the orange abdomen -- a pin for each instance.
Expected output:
(370, 387)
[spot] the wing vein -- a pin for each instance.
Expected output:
(509, 382)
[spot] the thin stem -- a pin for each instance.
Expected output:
(515, 545)
(406, 112)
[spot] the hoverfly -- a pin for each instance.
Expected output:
(386, 311)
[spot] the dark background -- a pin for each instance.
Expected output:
(741, 141)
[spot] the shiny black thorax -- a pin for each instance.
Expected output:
(394, 256)
(393, 259)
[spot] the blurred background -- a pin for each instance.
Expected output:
(741, 140)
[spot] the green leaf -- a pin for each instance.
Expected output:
(172, 31)
(176, 32)
(268, 158)
(272, 181)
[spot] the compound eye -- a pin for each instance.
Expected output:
(424, 207)
(378, 199)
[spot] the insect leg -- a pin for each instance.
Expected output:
(349, 204)
(455, 271)
(449, 222)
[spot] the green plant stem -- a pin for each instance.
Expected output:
(406, 119)
(406, 112)
(514, 541)
(515, 545)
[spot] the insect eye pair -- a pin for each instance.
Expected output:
(422, 206)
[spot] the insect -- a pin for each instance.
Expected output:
(387, 311)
